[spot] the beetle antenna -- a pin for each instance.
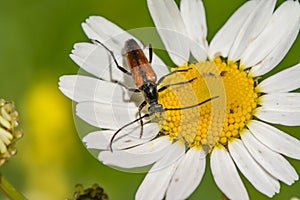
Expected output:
(192, 106)
(115, 134)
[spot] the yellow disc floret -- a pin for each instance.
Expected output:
(216, 121)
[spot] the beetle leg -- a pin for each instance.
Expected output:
(150, 53)
(143, 104)
(113, 56)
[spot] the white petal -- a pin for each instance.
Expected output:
(226, 175)
(258, 177)
(82, 50)
(280, 108)
(275, 139)
(281, 100)
(199, 52)
(282, 115)
(275, 40)
(138, 156)
(271, 161)
(252, 27)
(101, 29)
(99, 139)
(176, 151)
(224, 38)
(170, 26)
(284, 81)
(157, 180)
(93, 59)
(96, 60)
(114, 38)
(155, 184)
(125, 139)
(106, 115)
(193, 15)
(83, 88)
(188, 175)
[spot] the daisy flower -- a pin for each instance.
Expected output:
(235, 130)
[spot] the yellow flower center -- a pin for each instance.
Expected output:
(214, 122)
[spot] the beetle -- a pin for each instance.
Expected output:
(146, 82)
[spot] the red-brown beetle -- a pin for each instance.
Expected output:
(146, 82)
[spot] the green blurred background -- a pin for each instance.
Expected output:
(35, 40)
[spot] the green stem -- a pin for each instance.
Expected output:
(9, 190)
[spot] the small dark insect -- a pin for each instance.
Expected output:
(146, 82)
(223, 73)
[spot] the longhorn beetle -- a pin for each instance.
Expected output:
(145, 80)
